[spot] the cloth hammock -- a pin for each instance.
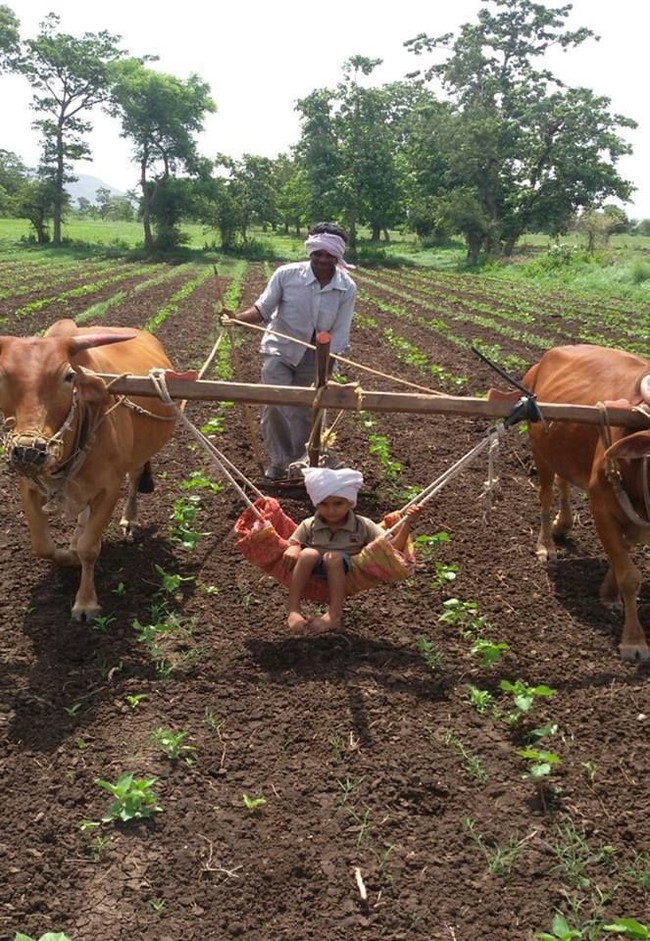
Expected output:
(263, 531)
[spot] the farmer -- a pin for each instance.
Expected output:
(323, 543)
(299, 301)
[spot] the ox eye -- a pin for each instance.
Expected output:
(69, 376)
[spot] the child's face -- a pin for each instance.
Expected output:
(333, 509)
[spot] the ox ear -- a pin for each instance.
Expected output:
(497, 395)
(89, 386)
(88, 340)
(631, 447)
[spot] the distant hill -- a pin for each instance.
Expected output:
(87, 186)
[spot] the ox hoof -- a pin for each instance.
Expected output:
(634, 653)
(128, 529)
(85, 612)
(545, 555)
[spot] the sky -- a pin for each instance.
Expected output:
(260, 57)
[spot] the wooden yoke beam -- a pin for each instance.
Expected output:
(351, 397)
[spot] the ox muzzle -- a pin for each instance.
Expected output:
(30, 454)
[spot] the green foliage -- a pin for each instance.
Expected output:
(560, 931)
(172, 744)
(133, 798)
(48, 936)
(431, 656)
(628, 928)
(253, 804)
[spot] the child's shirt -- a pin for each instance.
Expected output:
(355, 533)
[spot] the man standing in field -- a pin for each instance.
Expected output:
(300, 300)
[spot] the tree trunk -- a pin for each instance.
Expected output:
(57, 207)
(376, 233)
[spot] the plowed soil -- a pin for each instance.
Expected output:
(389, 807)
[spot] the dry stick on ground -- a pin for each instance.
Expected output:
(248, 415)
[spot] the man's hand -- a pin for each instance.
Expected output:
(226, 320)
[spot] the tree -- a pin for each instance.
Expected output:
(348, 149)
(9, 38)
(521, 149)
(13, 178)
(160, 114)
(69, 76)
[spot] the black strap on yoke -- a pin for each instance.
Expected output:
(526, 408)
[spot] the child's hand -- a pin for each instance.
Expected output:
(292, 551)
(414, 512)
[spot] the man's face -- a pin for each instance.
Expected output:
(323, 264)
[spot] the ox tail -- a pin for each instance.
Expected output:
(146, 482)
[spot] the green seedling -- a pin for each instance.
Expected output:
(184, 514)
(172, 744)
(199, 481)
(444, 575)
(523, 697)
(540, 762)
(101, 622)
(48, 936)
(134, 701)
(158, 905)
(426, 545)
(73, 710)
(464, 615)
(253, 804)
(481, 700)
(431, 656)
(170, 582)
(629, 928)
(120, 589)
(134, 798)
(560, 931)
(213, 426)
(488, 651)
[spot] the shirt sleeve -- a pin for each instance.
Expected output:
(340, 333)
(300, 534)
(271, 296)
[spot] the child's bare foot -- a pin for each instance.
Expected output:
(324, 624)
(297, 623)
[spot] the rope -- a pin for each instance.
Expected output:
(339, 359)
(225, 466)
(491, 440)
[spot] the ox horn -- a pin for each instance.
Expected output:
(645, 387)
(88, 340)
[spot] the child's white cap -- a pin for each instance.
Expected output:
(323, 482)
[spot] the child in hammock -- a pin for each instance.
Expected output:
(323, 543)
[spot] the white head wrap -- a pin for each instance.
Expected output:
(330, 243)
(323, 482)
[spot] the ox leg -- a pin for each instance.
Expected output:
(545, 545)
(139, 482)
(89, 544)
(43, 545)
(624, 573)
(563, 522)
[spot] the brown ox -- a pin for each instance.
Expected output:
(72, 442)
(612, 466)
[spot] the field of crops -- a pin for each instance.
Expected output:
(466, 759)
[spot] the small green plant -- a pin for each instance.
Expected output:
(170, 582)
(73, 709)
(120, 589)
(523, 697)
(628, 927)
(488, 651)
(196, 480)
(464, 615)
(560, 931)
(172, 744)
(101, 622)
(444, 574)
(431, 656)
(426, 545)
(48, 936)
(500, 859)
(158, 905)
(472, 764)
(253, 804)
(540, 763)
(134, 701)
(133, 798)
(184, 514)
(481, 700)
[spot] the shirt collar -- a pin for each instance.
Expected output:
(336, 284)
